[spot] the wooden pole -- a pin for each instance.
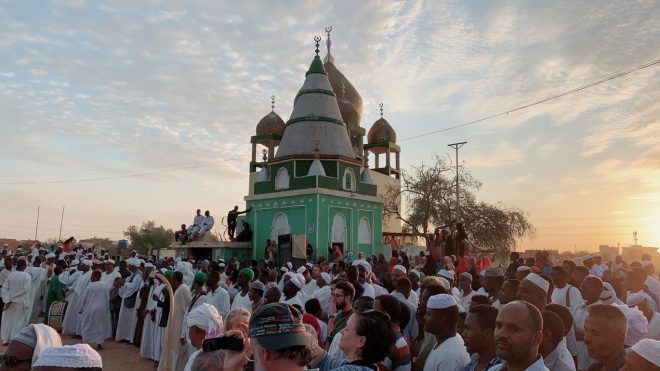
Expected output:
(170, 320)
(36, 229)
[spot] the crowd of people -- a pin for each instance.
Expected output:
(365, 314)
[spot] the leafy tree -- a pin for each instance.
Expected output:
(429, 195)
(148, 237)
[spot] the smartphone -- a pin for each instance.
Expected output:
(223, 342)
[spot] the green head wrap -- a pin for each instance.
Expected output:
(248, 272)
(200, 278)
(168, 273)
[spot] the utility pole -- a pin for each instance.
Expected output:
(61, 221)
(36, 229)
(456, 146)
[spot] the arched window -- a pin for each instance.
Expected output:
(282, 179)
(364, 231)
(349, 179)
(339, 229)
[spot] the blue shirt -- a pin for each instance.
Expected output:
(474, 361)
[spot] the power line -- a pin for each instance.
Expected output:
(580, 88)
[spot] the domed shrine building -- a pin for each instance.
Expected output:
(310, 181)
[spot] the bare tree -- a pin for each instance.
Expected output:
(429, 196)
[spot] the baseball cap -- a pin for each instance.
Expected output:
(278, 326)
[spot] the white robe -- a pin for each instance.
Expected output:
(15, 290)
(128, 316)
(109, 279)
(201, 299)
(579, 313)
(242, 302)
(148, 342)
(323, 295)
(38, 291)
(71, 323)
(95, 313)
(298, 299)
(450, 355)
(4, 274)
(178, 354)
(207, 224)
(309, 288)
(220, 300)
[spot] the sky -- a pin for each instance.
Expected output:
(128, 111)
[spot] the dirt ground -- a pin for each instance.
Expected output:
(116, 356)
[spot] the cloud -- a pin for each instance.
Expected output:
(92, 86)
(502, 154)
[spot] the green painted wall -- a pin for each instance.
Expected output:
(298, 178)
(301, 213)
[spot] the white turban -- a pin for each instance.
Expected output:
(70, 356)
(110, 261)
(367, 267)
(523, 268)
(133, 262)
(649, 349)
(87, 263)
(49, 256)
(445, 283)
(296, 281)
(635, 298)
(401, 268)
(538, 281)
(301, 269)
(446, 274)
(441, 301)
(637, 324)
(207, 318)
(326, 277)
(39, 337)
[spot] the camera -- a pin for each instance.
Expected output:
(223, 342)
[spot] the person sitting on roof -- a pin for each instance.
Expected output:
(246, 233)
(181, 235)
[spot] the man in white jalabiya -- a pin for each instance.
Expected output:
(16, 296)
(72, 324)
(196, 225)
(204, 322)
(110, 273)
(38, 288)
(129, 294)
(441, 317)
(207, 223)
(95, 312)
(150, 344)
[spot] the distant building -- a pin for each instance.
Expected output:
(635, 252)
(11, 243)
(608, 252)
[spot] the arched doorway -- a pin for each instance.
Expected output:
(279, 226)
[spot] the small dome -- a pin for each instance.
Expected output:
(380, 132)
(272, 123)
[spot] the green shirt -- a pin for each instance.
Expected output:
(340, 322)
(55, 293)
